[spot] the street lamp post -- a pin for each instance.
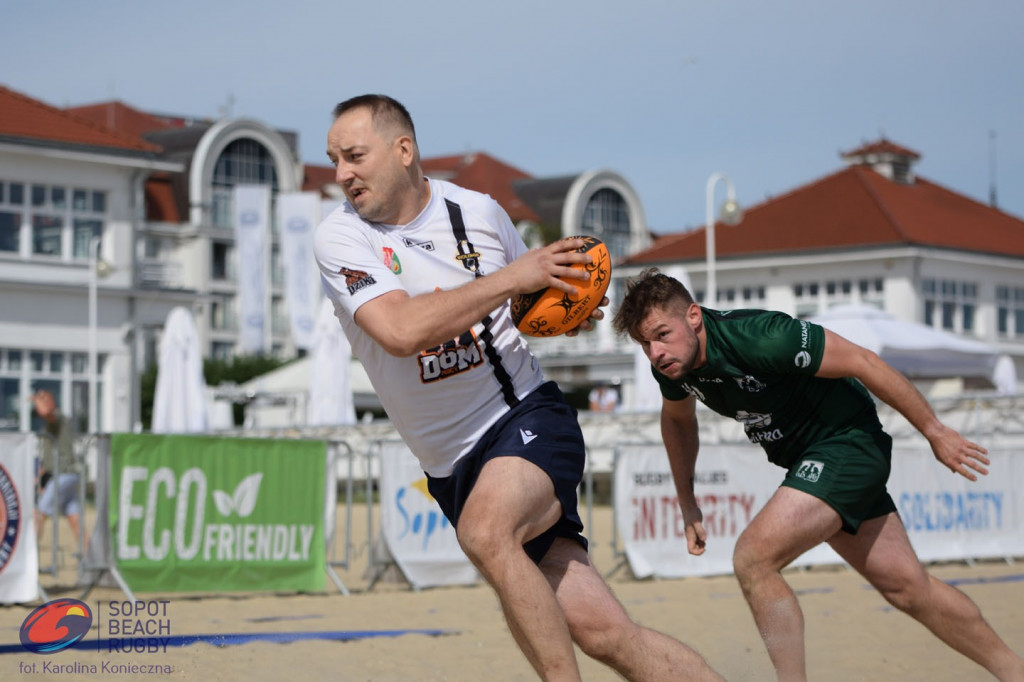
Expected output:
(97, 268)
(731, 214)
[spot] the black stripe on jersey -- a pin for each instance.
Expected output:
(467, 255)
(508, 391)
(471, 261)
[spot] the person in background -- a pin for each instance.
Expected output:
(801, 392)
(58, 476)
(603, 398)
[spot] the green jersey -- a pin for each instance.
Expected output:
(760, 371)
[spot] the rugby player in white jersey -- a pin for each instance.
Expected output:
(420, 273)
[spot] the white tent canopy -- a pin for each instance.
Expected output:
(179, 405)
(918, 351)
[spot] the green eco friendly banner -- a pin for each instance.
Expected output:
(195, 513)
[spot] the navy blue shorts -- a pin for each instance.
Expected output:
(542, 429)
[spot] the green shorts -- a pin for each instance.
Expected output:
(848, 472)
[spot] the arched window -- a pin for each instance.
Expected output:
(606, 216)
(243, 162)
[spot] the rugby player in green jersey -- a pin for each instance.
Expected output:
(801, 392)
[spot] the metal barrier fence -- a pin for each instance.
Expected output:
(354, 461)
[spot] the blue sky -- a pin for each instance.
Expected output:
(663, 92)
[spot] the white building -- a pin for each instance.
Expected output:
(64, 182)
(873, 232)
(157, 192)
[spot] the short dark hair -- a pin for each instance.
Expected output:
(384, 110)
(650, 289)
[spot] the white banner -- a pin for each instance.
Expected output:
(19, 553)
(947, 517)
(297, 216)
(419, 537)
(732, 484)
(252, 217)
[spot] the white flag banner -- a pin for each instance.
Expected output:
(252, 216)
(297, 216)
(19, 554)
(330, 387)
(419, 538)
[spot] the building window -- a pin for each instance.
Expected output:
(753, 296)
(1010, 311)
(279, 322)
(10, 231)
(243, 162)
(223, 314)
(807, 295)
(949, 304)
(872, 291)
(221, 350)
(838, 292)
(65, 375)
(222, 266)
(54, 226)
(606, 216)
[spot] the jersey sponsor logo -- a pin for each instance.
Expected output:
(749, 384)
(710, 380)
(527, 435)
(753, 420)
(803, 358)
(356, 280)
(810, 470)
(695, 392)
(755, 425)
(772, 436)
(426, 246)
(458, 355)
(469, 257)
(391, 261)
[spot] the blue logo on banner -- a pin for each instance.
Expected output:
(943, 512)
(426, 522)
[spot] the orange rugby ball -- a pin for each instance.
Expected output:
(550, 312)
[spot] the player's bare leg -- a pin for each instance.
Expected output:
(790, 524)
(604, 631)
(514, 501)
(882, 553)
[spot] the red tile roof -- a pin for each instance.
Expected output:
(853, 208)
(477, 171)
(317, 178)
(30, 119)
(483, 173)
(123, 118)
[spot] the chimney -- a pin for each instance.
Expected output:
(885, 158)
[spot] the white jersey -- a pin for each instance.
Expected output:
(442, 400)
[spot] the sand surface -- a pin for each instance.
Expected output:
(852, 634)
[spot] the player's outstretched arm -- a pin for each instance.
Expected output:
(844, 358)
(405, 325)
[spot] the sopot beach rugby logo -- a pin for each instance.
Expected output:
(55, 626)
